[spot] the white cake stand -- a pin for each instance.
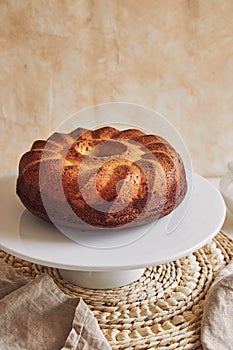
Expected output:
(109, 259)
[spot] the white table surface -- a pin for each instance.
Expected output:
(228, 224)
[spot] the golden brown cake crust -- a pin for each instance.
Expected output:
(103, 178)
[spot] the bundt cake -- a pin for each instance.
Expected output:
(103, 178)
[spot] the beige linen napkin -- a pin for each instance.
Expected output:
(37, 315)
(217, 321)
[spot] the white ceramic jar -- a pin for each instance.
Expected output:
(226, 187)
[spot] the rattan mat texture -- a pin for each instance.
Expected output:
(162, 310)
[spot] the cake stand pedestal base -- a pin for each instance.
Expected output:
(101, 279)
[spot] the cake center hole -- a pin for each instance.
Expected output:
(108, 149)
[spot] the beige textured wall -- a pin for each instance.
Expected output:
(174, 56)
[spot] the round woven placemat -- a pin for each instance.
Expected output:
(162, 310)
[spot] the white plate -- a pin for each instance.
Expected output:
(170, 238)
